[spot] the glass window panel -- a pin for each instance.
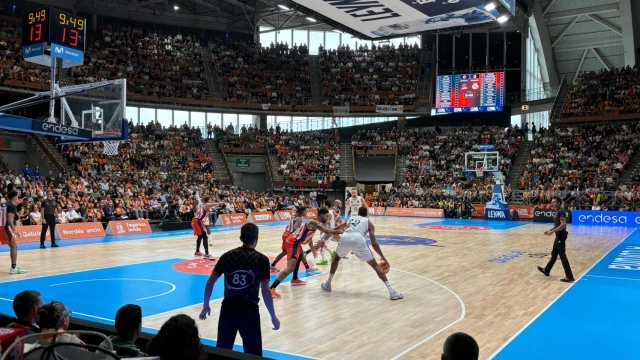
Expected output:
(272, 120)
(332, 40)
(165, 118)
(199, 120)
(496, 49)
(479, 50)
(230, 119)
(316, 39)
(132, 114)
(300, 123)
(147, 115)
(284, 36)
(462, 51)
(348, 40)
(284, 122)
(397, 42)
(245, 120)
(413, 40)
(445, 53)
(300, 37)
(514, 53)
(266, 39)
(180, 117)
(214, 119)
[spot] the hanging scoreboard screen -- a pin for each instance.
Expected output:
(49, 32)
(480, 92)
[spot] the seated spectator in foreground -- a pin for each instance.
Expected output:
(54, 317)
(72, 215)
(128, 326)
(25, 306)
(460, 346)
(178, 339)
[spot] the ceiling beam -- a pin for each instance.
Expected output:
(584, 54)
(289, 19)
(584, 11)
(565, 30)
(600, 58)
(609, 26)
(548, 7)
(241, 5)
(585, 44)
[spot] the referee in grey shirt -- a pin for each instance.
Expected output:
(48, 212)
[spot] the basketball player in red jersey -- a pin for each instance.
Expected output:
(199, 229)
(302, 236)
(294, 223)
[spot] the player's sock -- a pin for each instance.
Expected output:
(273, 264)
(329, 280)
(198, 242)
(306, 266)
(13, 266)
(275, 284)
(205, 243)
(322, 254)
(389, 287)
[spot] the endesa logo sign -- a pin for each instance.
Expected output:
(79, 230)
(57, 129)
(607, 218)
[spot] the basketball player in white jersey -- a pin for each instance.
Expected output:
(331, 224)
(354, 203)
(354, 240)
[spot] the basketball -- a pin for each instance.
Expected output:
(385, 267)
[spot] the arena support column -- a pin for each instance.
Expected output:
(401, 123)
(262, 121)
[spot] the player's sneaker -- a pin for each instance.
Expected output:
(197, 253)
(322, 262)
(297, 282)
(325, 287)
(208, 257)
(396, 295)
(275, 294)
(312, 269)
(275, 268)
(17, 271)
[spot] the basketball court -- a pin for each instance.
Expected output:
(474, 276)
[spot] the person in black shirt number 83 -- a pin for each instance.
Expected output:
(244, 269)
(559, 246)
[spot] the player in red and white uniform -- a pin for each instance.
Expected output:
(302, 236)
(354, 203)
(333, 221)
(200, 229)
(294, 223)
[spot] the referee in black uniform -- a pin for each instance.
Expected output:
(559, 246)
(48, 212)
(244, 270)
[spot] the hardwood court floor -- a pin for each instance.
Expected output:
(451, 285)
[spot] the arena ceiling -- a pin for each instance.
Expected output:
(226, 15)
(582, 35)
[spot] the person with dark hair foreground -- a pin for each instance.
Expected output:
(178, 339)
(55, 317)
(25, 306)
(128, 326)
(460, 346)
(244, 269)
(559, 246)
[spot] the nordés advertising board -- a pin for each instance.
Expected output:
(380, 18)
(606, 218)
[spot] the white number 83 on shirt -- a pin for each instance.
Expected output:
(240, 279)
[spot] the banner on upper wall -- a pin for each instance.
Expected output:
(231, 219)
(418, 212)
(261, 217)
(79, 230)
(389, 109)
(606, 218)
(266, 106)
(128, 227)
(340, 110)
(380, 18)
(30, 233)
(284, 215)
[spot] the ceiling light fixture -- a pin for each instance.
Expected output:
(502, 18)
(336, 30)
(176, 7)
(312, 19)
(490, 6)
(283, 7)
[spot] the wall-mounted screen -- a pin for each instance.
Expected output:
(480, 92)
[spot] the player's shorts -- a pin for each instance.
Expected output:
(293, 248)
(356, 243)
(6, 235)
(285, 236)
(198, 227)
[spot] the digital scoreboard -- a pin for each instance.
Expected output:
(49, 32)
(479, 92)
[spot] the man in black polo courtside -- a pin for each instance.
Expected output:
(244, 270)
(48, 216)
(559, 246)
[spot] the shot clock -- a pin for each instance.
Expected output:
(49, 32)
(51, 25)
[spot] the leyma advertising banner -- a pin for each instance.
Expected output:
(380, 18)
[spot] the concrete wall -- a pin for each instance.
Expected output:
(258, 164)
(23, 150)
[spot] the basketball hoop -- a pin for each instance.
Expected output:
(110, 148)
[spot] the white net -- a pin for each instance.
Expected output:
(110, 147)
(479, 172)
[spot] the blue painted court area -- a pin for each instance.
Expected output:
(596, 318)
(153, 235)
(96, 295)
(473, 224)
